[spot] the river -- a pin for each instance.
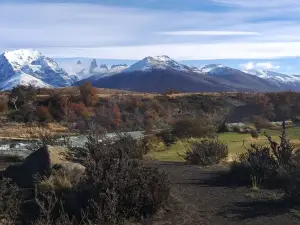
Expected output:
(19, 147)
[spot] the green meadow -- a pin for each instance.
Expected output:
(237, 144)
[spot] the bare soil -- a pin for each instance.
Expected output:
(201, 196)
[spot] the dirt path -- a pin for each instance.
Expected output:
(201, 198)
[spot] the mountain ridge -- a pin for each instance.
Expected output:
(151, 74)
(25, 65)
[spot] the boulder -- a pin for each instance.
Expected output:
(39, 164)
(36, 164)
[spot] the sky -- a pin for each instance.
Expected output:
(256, 34)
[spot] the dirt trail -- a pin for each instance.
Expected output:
(200, 197)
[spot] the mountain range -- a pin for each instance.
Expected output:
(151, 74)
(29, 67)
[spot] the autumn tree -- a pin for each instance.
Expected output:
(88, 93)
(149, 120)
(22, 94)
(43, 114)
(116, 115)
(80, 110)
(58, 106)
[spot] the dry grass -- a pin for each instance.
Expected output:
(57, 154)
(61, 180)
(22, 131)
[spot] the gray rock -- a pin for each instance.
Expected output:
(36, 164)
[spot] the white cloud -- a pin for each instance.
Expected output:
(96, 31)
(209, 33)
(260, 4)
(260, 65)
(185, 51)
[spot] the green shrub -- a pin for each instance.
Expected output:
(254, 133)
(223, 128)
(167, 136)
(260, 122)
(237, 129)
(193, 128)
(152, 144)
(207, 152)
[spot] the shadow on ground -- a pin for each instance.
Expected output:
(258, 208)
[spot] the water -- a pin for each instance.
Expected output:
(19, 147)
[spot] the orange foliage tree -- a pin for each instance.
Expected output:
(88, 93)
(80, 110)
(116, 115)
(43, 114)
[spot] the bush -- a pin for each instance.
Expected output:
(116, 185)
(167, 136)
(273, 165)
(10, 202)
(128, 145)
(152, 144)
(193, 128)
(207, 152)
(237, 129)
(254, 133)
(261, 122)
(223, 128)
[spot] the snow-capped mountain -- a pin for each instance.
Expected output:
(23, 79)
(213, 68)
(279, 79)
(160, 73)
(160, 63)
(91, 70)
(28, 66)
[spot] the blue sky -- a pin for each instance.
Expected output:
(241, 33)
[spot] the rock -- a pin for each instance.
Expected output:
(36, 164)
(39, 164)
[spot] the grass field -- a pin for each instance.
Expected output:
(237, 144)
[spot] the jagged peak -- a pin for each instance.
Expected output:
(22, 56)
(118, 65)
(103, 66)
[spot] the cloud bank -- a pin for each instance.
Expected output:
(261, 65)
(233, 29)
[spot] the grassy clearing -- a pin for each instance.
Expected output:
(236, 144)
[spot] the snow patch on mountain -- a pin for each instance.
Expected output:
(21, 57)
(23, 79)
(274, 77)
(28, 66)
(160, 62)
(213, 68)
